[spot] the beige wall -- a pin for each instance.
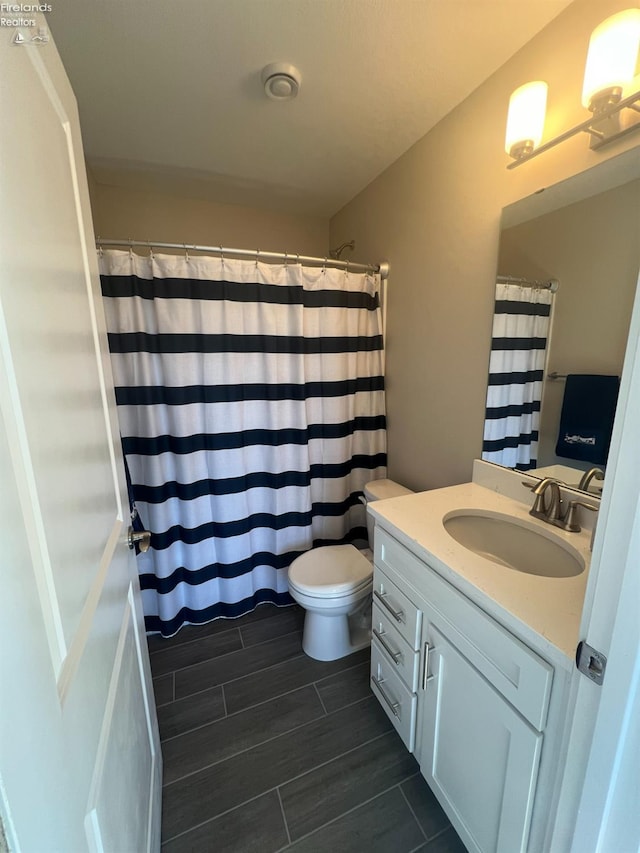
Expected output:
(142, 214)
(435, 215)
(593, 249)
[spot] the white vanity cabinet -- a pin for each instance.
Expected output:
(467, 697)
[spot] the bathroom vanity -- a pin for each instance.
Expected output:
(471, 659)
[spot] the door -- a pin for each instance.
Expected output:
(477, 753)
(80, 765)
(598, 802)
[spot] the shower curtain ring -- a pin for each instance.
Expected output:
(257, 257)
(151, 255)
(286, 260)
(324, 266)
(131, 248)
(186, 252)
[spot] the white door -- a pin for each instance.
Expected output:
(602, 785)
(80, 765)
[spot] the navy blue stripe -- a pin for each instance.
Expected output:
(232, 570)
(509, 344)
(506, 306)
(150, 395)
(118, 286)
(515, 378)
(526, 466)
(512, 411)
(255, 480)
(169, 343)
(242, 526)
(168, 627)
(228, 441)
(509, 441)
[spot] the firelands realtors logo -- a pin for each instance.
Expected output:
(18, 15)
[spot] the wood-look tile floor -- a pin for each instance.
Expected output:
(267, 750)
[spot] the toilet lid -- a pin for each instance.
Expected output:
(330, 570)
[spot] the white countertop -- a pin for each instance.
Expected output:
(545, 612)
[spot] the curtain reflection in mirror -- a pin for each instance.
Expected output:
(516, 371)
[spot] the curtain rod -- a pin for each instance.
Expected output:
(551, 284)
(258, 254)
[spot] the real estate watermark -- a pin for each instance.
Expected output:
(19, 16)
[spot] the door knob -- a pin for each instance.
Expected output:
(141, 538)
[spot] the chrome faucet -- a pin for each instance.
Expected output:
(553, 511)
(588, 476)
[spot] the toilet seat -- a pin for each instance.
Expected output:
(331, 571)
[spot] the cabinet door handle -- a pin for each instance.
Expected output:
(425, 672)
(394, 707)
(395, 656)
(398, 615)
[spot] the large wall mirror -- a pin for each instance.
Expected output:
(584, 233)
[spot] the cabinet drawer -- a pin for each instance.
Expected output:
(405, 616)
(515, 670)
(394, 696)
(403, 659)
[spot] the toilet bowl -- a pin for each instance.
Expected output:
(333, 584)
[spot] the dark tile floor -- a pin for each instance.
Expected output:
(268, 750)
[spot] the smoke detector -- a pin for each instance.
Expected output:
(281, 81)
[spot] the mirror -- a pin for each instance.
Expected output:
(585, 233)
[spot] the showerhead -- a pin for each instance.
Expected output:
(335, 253)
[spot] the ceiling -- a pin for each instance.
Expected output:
(170, 95)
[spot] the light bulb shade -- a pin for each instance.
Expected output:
(525, 120)
(612, 59)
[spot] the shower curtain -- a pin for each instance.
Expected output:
(516, 371)
(251, 406)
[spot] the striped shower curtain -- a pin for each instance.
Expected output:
(516, 372)
(251, 406)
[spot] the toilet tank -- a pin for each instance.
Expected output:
(379, 490)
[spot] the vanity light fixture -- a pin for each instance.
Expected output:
(609, 73)
(525, 120)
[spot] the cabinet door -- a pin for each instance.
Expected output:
(477, 753)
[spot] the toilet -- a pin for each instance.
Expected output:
(333, 584)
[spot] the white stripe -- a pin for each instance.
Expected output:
(516, 361)
(182, 369)
(216, 317)
(497, 429)
(519, 326)
(513, 395)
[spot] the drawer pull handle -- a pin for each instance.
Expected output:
(395, 656)
(425, 672)
(398, 615)
(394, 707)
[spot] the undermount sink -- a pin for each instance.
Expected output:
(514, 543)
